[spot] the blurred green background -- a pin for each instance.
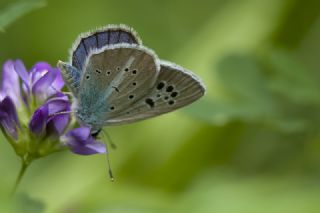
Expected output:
(252, 144)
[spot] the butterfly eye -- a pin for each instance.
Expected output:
(98, 71)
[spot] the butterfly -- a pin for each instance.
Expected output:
(116, 80)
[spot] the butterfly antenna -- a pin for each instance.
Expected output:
(62, 113)
(112, 144)
(108, 162)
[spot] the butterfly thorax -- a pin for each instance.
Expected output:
(89, 118)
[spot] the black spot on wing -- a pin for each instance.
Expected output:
(150, 102)
(160, 85)
(174, 94)
(171, 102)
(170, 88)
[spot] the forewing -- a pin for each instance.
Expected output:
(116, 77)
(175, 87)
(112, 34)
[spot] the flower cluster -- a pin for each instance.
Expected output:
(35, 114)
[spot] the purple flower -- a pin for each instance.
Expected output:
(47, 120)
(37, 93)
(42, 81)
(9, 98)
(8, 117)
(10, 83)
(81, 142)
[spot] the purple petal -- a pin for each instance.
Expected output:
(2, 95)
(22, 72)
(81, 142)
(9, 128)
(79, 134)
(39, 70)
(59, 123)
(97, 147)
(58, 82)
(60, 104)
(40, 87)
(8, 117)
(88, 149)
(56, 85)
(41, 66)
(60, 95)
(38, 120)
(7, 106)
(10, 82)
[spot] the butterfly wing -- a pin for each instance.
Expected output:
(113, 78)
(86, 43)
(111, 34)
(174, 88)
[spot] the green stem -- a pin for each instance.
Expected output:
(24, 166)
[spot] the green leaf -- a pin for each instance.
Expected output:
(23, 203)
(251, 95)
(15, 10)
(291, 79)
(246, 95)
(224, 193)
(243, 79)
